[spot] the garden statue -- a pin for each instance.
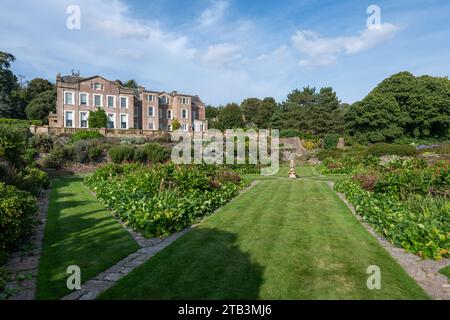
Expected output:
(292, 174)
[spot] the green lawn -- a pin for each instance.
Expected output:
(308, 172)
(281, 239)
(446, 272)
(81, 232)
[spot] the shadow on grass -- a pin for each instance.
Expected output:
(203, 264)
(79, 231)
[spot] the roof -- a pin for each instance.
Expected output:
(71, 79)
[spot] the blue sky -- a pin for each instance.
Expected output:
(228, 50)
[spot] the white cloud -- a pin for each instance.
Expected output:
(115, 21)
(221, 54)
(213, 14)
(275, 55)
(322, 51)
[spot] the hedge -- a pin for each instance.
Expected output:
(20, 122)
(381, 149)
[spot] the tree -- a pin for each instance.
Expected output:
(402, 106)
(250, 108)
(311, 111)
(176, 124)
(11, 103)
(265, 112)
(211, 113)
(132, 84)
(98, 119)
(325, 116)
(231, 117)
(40, 107)
(377, 118)
(36, 87)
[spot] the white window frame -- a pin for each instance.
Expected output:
(151, 97)
(153, 111)
(114, 101)
(73, 118)
(184, 127)
(87, 120)
(73, 98)
(153, 125)
(187, 114)
(169, 127)
(94, 86)
(114, 119)
(101, 100)
(87, 99)
(120, 102)
(120, 121)
(169, 111)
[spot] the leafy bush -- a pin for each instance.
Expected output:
(85, 135)
(156, 153)
(165, 198)
(42, 142)
(421, 224)
(13, 141)
(87, 150)
(16, 217)
(68, 152)
(348, 164)
(140, 155)
(33, 180)
(402, 178)
(381, 149)
(329, 153)
(121, 153)
(330, 141)
(95, 153)
(29, 156)
(98, 119)
(132, 140)
(55, 159)
(81, 151)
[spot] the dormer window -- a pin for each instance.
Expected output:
(97, 86)
(165, 100)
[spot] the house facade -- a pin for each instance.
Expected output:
(125, 108)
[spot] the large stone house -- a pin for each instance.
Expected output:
(125, 108)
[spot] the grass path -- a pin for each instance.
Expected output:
(81, 232)
(282, 239)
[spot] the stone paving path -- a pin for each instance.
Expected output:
(424, 272)
(23, 265)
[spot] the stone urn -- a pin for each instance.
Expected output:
(292, 173)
